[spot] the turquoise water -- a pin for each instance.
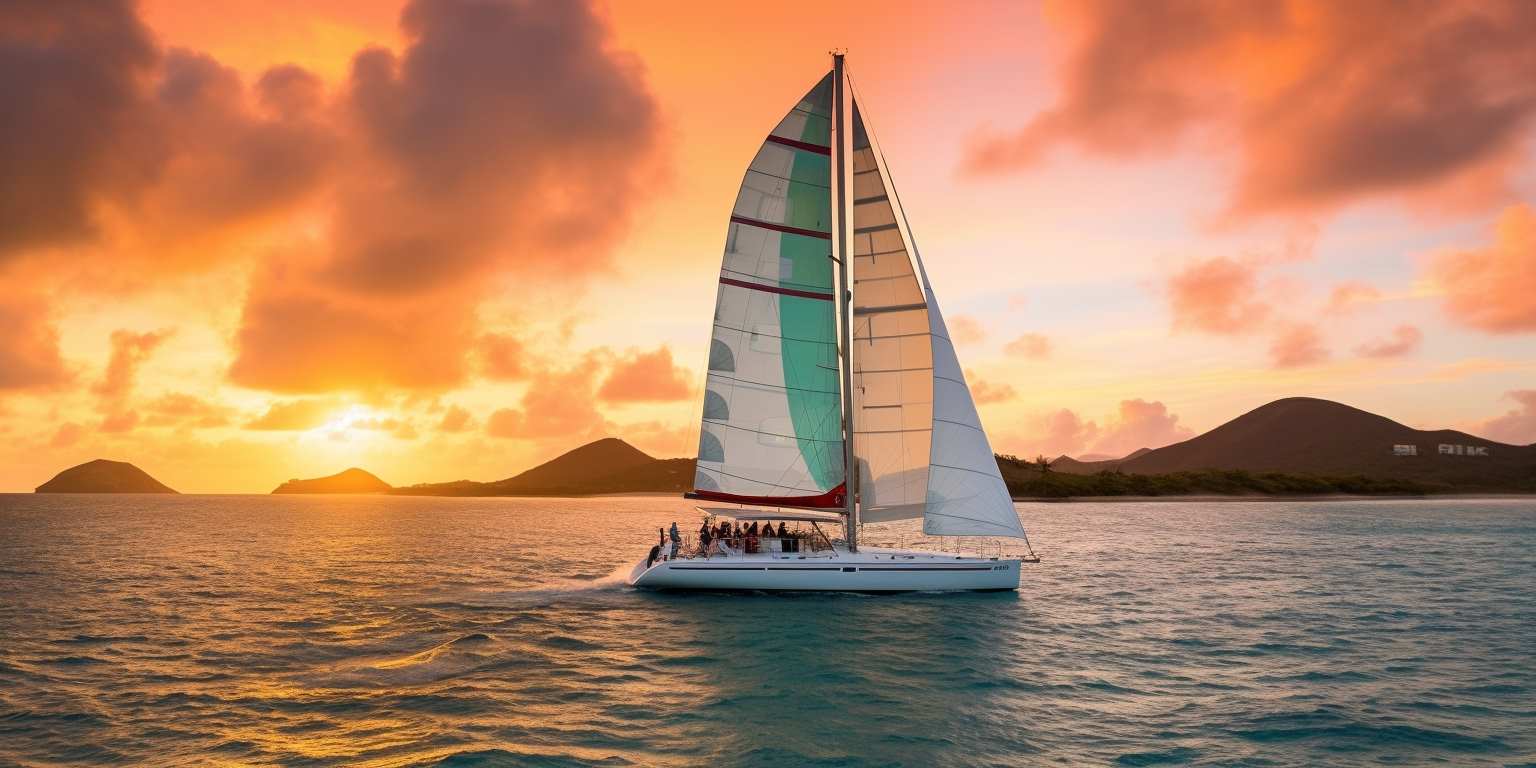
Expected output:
(246, 630)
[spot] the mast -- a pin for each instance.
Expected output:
(840, 253)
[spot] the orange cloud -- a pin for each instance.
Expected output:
(29, 343)
(302, 339)
(502, 357)
(456, 419)
(181, 409)
(1405, 340)
(1326, 101)
(1493, 289)
(646, 377)
(1347, 296)
(1518, 426)
(119, 421)
(1297, 346)
(68, 434)
(293, 415)
(129, 351)
(985, 392)
(1031, 346)
(558, 404)
(1217, 296)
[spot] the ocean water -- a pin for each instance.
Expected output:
(312, 631)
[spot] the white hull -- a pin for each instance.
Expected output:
(869, 570)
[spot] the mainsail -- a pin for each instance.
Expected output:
(919, 442)
(772, 426)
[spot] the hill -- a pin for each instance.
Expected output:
(352, 480)
(102, 476)
(609, 465)
(1321, 438)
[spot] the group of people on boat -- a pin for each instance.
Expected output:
(729, 538)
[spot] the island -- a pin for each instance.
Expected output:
(103, 476)
(352, 480)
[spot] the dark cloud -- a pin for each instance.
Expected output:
(506, 137)
(115, 133)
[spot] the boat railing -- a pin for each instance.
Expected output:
(795, 545)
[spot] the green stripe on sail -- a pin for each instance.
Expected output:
(810, 366)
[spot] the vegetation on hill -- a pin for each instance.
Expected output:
(1027, 479)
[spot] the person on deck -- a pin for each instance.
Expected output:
(704, 536)
(677, 540)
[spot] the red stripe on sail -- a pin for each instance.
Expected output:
(831, 500)
(785, 228)
(777, 289)
(797, 144)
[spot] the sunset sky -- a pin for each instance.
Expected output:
(253, 240)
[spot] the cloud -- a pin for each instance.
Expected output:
(183, 410)
(1346, 296)
(1140, 424)
(167, 147)
(119, 421)
(1298, 346)
(503, 357)
(129, 351)
(68, 434)
(461, 164)
(1405, 340)
(79, 68)
(557, 404)
(1218, 296)
(1136, 424)
(456, 419)
(985, 392)
(1493, 289)
(29, 343)
(1031, 346)
(400, 428)
(302, 339)
(1518, 426)
(646, 377)
(964, 329)
(294, 415)
(659, 438)
(1323, 102)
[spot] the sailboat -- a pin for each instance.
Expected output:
(833, 396)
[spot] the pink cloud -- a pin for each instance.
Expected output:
(1493, 288)
(1297, 346)
(1517, 426)
(1031, 346)
(1219, 296)
(1405, 340)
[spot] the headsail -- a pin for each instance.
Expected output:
(772, 424)
(919, 441)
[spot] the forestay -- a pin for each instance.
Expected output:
(919, 442)
(772, 422)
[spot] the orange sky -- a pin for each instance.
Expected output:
(247, 241)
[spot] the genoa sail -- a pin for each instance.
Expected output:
(772, 424)
(918, 439)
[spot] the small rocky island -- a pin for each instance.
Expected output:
(351, 480)
(102, 476)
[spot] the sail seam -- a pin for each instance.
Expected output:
(766, 385)
(723, 326)
(895, 308)
(879, 228)
(782, 283)
(769, 434)
(801, 145)
(785, 179)
(762, 482)
(785, 228)
(776, 289)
